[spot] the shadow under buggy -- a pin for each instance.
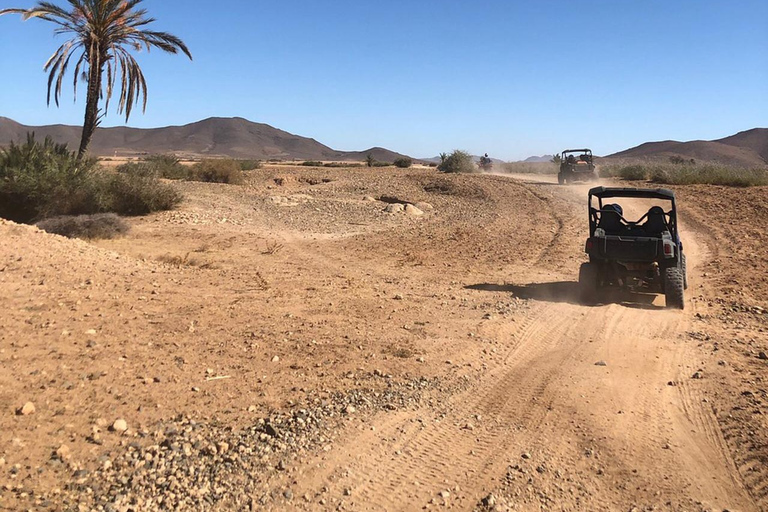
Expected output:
(645, 255)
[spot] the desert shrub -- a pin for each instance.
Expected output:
(709, 174)
(98, 226)
(217, 171)
(635, 172)
(678, 160)
(38, 180)
(458, 161)
(156, 166)
(342, 164)
(133, 195)
(168, 166)
(380, 164)
(609, 171)
(403, 163)
(312, 163)
(249, 165)
(41, 180)
(686, 173)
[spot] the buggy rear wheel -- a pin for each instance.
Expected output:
(589, 282)
(684, 270)
(673, 288)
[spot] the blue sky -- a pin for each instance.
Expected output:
(511, 78)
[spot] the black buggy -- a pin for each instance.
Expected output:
(641, 255)
(576, 165)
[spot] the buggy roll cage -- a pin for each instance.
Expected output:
(601, 193)
(581, 152)
(587, 151)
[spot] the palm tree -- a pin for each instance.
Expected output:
(103, 32)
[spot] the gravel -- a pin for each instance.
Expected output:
(184, 464)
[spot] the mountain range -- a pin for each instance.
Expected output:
(745, 149)
(239, 138)
(232, 137)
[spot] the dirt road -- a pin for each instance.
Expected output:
(580, 408)
(306, 294)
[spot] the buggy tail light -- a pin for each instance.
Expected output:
(590, 244)
(669, 249)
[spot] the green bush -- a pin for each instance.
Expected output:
(168, 166)
(134, 195)
(680, 173)
(380, 164)
(41, 180)
(458, 161)
(156, 166)
(403, 163)
(635, 172)
(709, 174)
(312, 163)
(91, 227)
(217, 171)
(249, 165)
(342, 164)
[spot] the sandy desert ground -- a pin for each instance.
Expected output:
(290, 345)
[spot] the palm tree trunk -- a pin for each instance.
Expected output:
(91, 106)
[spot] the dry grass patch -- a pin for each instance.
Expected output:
(89, 227)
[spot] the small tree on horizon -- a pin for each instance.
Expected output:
(458, 161)
(103, 31)
(369, 160)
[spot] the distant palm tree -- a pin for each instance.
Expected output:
(103, 31)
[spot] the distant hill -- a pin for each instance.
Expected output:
(232, 137)
(536, 159)
(745, 149)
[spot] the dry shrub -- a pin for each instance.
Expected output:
(403, 353)
(90, 227)
(135, 195)
(42, 180)
(217, 171)
(156, 166)
(249, 165)
(709, 174)
(687, 174)
(342, 165)
(178, 261)
(403, 163)
(272, 247)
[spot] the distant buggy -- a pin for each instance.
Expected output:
(641, 255)
(576, 165)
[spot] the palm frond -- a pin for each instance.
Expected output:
(102, 34)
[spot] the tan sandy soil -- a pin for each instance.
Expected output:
(288, 344)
